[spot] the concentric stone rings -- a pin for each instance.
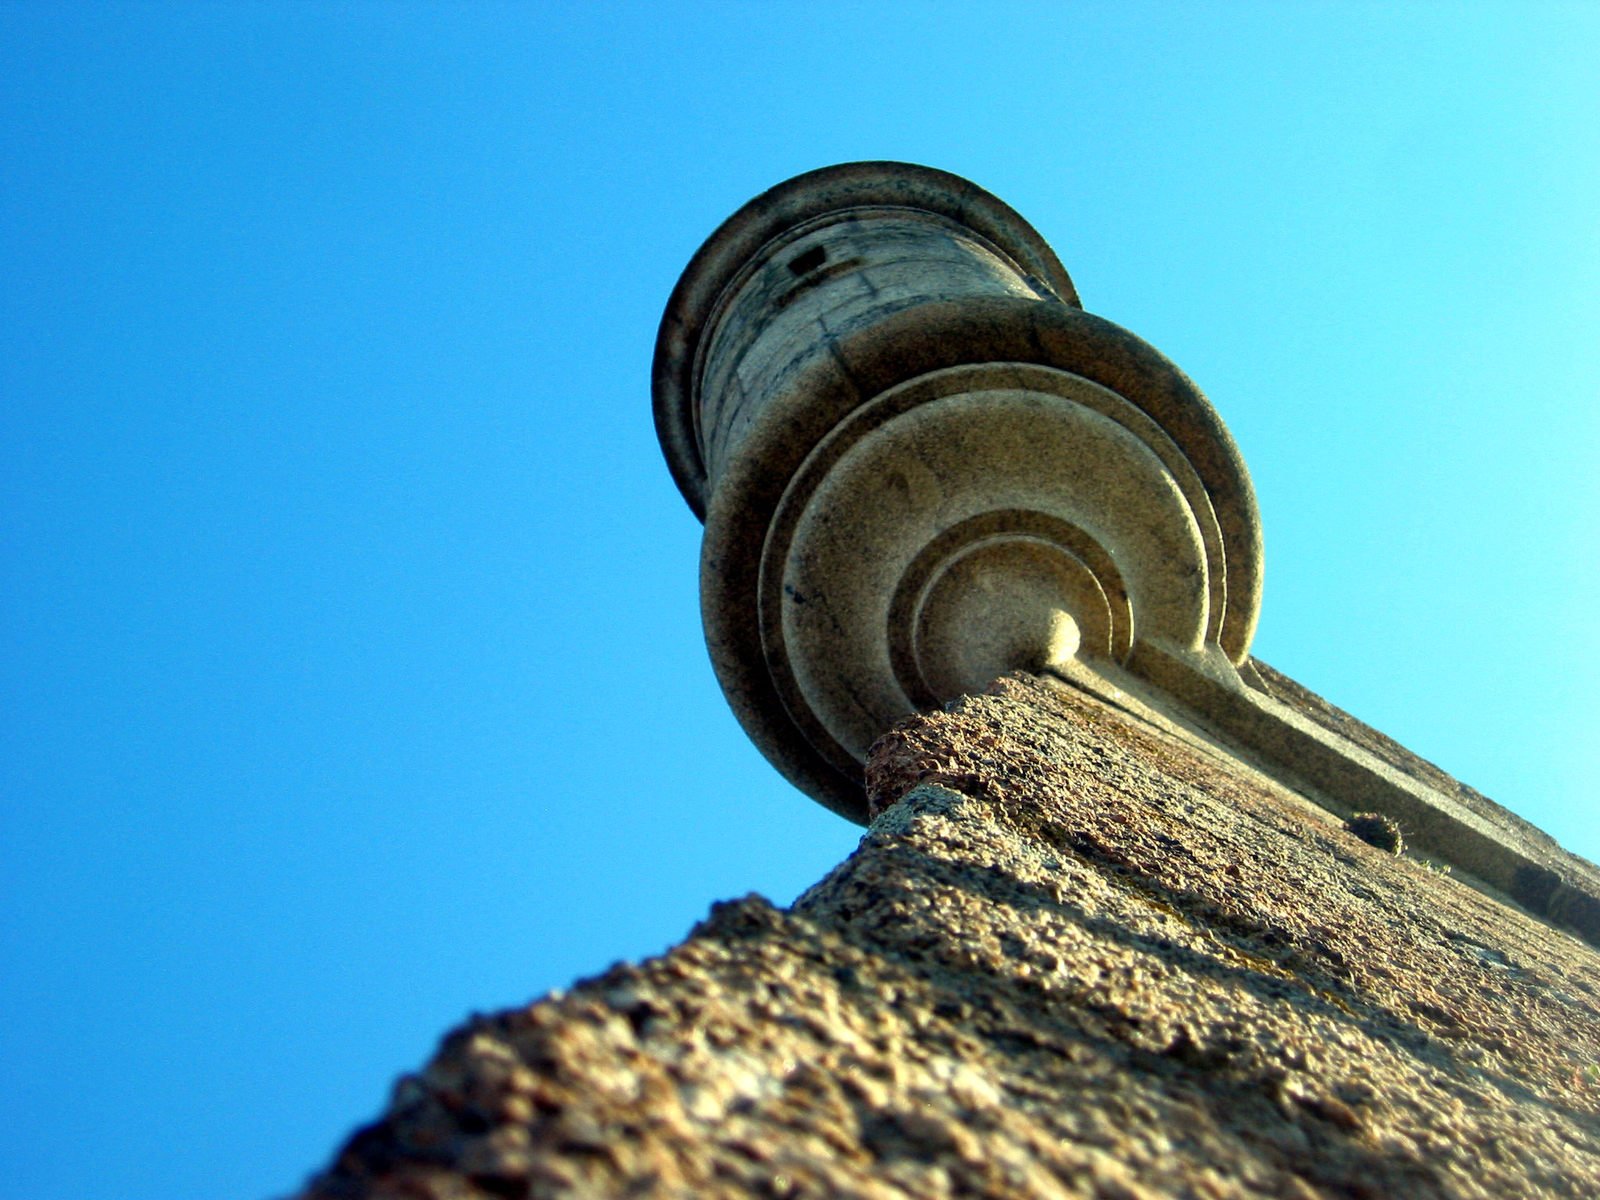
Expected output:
(921, 464)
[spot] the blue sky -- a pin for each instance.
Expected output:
(352, 674)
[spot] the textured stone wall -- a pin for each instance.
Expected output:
(1072, 957)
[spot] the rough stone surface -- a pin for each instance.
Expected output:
(1278, 685)
(1072, 957)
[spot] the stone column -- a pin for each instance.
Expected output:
(1097, 941)
(922, 464)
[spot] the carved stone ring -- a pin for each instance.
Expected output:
(921, 464)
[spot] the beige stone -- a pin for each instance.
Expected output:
(1074, 956)
(922, 465)
(1148, 919)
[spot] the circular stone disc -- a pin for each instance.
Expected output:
(939, 463)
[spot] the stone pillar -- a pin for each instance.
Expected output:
(1107, 934)
(922, 464)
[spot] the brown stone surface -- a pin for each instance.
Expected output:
(1072, 957)
(1577, 872)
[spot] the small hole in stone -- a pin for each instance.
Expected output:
(810, 260)
(1375, 829)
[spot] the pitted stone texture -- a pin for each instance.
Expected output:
(1557, 883)
(1074, 959)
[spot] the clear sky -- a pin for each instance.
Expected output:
(352, 672)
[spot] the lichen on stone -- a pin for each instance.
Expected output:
(1377, 830)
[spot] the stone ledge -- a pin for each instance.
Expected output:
(1347, 767)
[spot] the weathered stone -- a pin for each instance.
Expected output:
(1142, 923)
(1375, 829)
(921, 465)
(1073, 956)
